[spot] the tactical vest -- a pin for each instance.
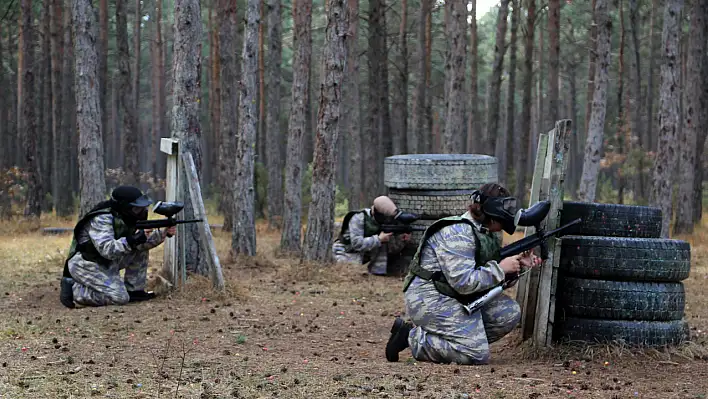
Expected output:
(87, 249)
(371, 227)
(487, 247)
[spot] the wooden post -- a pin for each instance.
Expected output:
(528, 283)
(556, 164)
(172, 266)
(195, 192)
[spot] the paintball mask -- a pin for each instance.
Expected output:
(502, 209)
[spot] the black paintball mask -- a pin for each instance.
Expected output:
(501, 209)
(382, 218)
(130, 203)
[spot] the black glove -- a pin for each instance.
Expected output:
(136, 239)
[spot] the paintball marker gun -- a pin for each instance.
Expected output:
(403, 224)
(168, 209)
(525, 217)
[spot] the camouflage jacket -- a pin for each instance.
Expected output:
(451, 250)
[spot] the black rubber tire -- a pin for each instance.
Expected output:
(439, 171)
(633, 333)
(621, 300)
(612, 220)
(625, 259)
(432, 204)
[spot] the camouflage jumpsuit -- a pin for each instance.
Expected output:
(445, 332)
(97, 284)
(359, 243)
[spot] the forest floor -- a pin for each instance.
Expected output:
(285, 330)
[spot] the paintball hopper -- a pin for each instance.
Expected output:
(168, 209)
(534, 215)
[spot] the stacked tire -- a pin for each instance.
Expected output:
(618, 281)
(433, 186)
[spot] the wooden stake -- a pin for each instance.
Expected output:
(171, 266)
(195, 192)
(555, 170)
(528, 283)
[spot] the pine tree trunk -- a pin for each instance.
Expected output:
(60, 178)
(494, 94)
(593, 144)
(379, 135)
(522, 158)
(143, 143)
(399, 109)
(690, 148)
(418, 125)
(126, 102)
(243, 238)
(6, 151)
(473, 136)
(592, 61)
(292, 209)
(654, 48)
(88, 114)
(352, 126)
(102, 46)
(551, 114)
(428, 106)
(621, 110)
(26, 76)
(513, 146)
(215, 101)
(228, 38)
(275, 134)
(46, 143)
(320, 220)
(186, 126)
(669, 119)
(261, 133)
(455, 75)
(700, 158)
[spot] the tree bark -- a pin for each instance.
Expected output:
(292, 209)
(136, 86)
(88, 111)
(621, 111)
(26, 76)
(228, 39)
(473, 135)
(320, 220)
(700, 157)
(243, 236)
(522, 156)
(593, 144)
(551, 114)
(455, 75)
(690, 148)
(186, 126)
(126, 102)
(592, 60)
(513, 145)
(6, 151)
(495, 84)
(380, 134)
(654, 48)
(46, 146)
(418, 120)
(399, 109)
(662, 187)
(275, 135)
(61, 180)
(352, 118)
(215, 100)
(102, 47)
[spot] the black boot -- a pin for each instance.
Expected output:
(398, 340)
(137, 296)
(66, 295)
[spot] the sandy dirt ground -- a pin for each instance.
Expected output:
(287, 330)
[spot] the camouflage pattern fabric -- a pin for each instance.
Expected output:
(444, 332)
(366, 249)
(99, 285)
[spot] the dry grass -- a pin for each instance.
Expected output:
(286, 328)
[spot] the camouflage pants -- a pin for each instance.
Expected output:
(97, 285)
(446, 333)
(377, 258)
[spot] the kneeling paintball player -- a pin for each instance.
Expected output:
(460, 256)
(361, 239)
(105, 242)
